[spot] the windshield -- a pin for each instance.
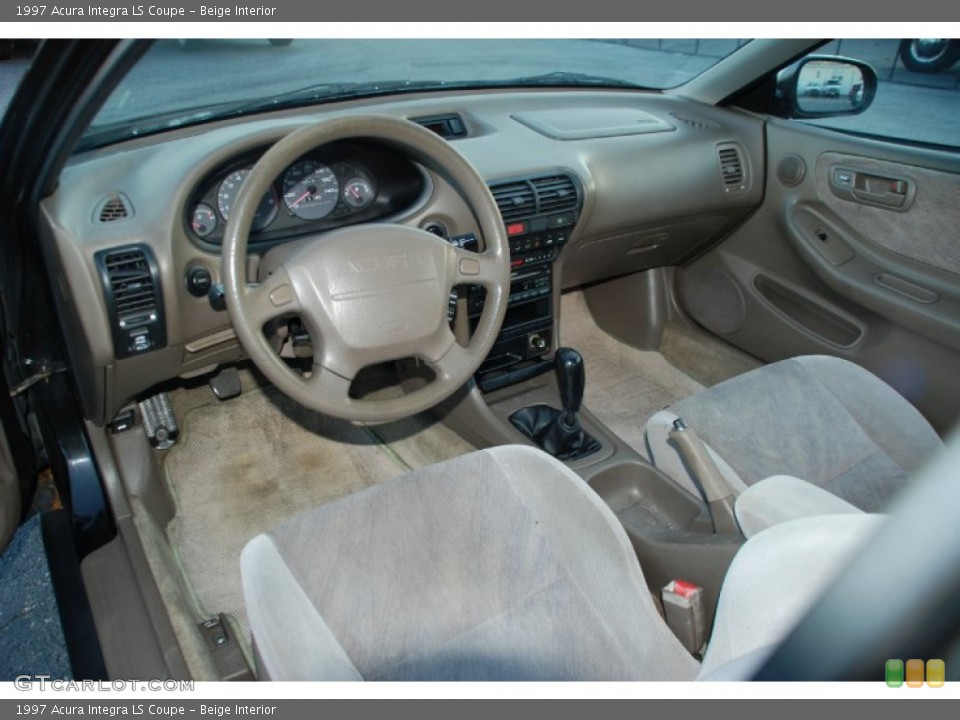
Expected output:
(180, 82)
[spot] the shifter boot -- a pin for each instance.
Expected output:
(553, 432)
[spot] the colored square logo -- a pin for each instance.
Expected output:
(936, 673)
(915, 673)
(893, 673)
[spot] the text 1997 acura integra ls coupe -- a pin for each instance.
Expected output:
(481, 360)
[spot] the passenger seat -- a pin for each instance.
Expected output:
(818, 418)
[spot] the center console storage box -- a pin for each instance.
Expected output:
(669, 529)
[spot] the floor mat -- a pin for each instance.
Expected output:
(703, 357)
(245, 466)
(31, 638)
(625, 386)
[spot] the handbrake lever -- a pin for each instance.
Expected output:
(716, 490)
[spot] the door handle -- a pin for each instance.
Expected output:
(893, 193)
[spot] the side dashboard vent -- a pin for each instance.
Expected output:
(540, 195)
(131, 286)
(733, 172)
(113, 208)
(449, 127)
(516, 200)
(555, 194)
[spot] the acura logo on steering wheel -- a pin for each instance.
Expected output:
(395, 261)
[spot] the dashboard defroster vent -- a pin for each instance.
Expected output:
(732, 170)
(131, 284)
(113, 208)
(695, 122)
(536, 196)
(449, 127)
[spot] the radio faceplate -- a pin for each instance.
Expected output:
(526, 337)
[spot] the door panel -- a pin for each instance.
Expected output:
(855, 252)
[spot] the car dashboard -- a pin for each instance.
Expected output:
(591, 184)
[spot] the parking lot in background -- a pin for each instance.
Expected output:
(921, 107)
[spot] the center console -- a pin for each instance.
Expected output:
(539, 213)
(528, 390)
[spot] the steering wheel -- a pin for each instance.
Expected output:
(369, 293)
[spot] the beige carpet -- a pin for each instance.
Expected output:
(246, 465)
(705, 358)
(625, 386)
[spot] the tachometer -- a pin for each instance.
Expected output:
(227, 195)
(310, 190)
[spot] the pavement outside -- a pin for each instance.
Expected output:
(31, 638)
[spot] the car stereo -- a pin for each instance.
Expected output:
(539, 214)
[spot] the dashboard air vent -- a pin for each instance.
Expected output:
(113, 208)
(516, 200)
(449, 127)
(134, 302)
(540, 195)
(555, 194)
(731, 168)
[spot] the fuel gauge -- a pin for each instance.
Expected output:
(204, 220)
(358, 192)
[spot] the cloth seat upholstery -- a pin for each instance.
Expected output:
(498, 565)
(819, 418)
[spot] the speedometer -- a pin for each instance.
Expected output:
(227, 195)
(310, 190)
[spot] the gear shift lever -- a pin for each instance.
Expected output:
(558, 431)
(571, 379)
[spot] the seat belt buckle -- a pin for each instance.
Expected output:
(683, 608)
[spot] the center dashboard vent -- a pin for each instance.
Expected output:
(733, 171)
(131, 285)
(541, 195)
(515, 200)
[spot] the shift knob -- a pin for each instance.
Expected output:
(571, 379)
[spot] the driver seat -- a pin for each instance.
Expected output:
(503, 564)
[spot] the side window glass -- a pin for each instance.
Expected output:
(15, 56)
(918, 93)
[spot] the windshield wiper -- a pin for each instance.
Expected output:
(568, 79)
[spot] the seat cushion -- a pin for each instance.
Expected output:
(819, 418)
(497, 565)
(774, 580)
(781, 498)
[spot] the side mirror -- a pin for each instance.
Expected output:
(827, 86)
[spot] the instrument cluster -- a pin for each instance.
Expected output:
(325, 189)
